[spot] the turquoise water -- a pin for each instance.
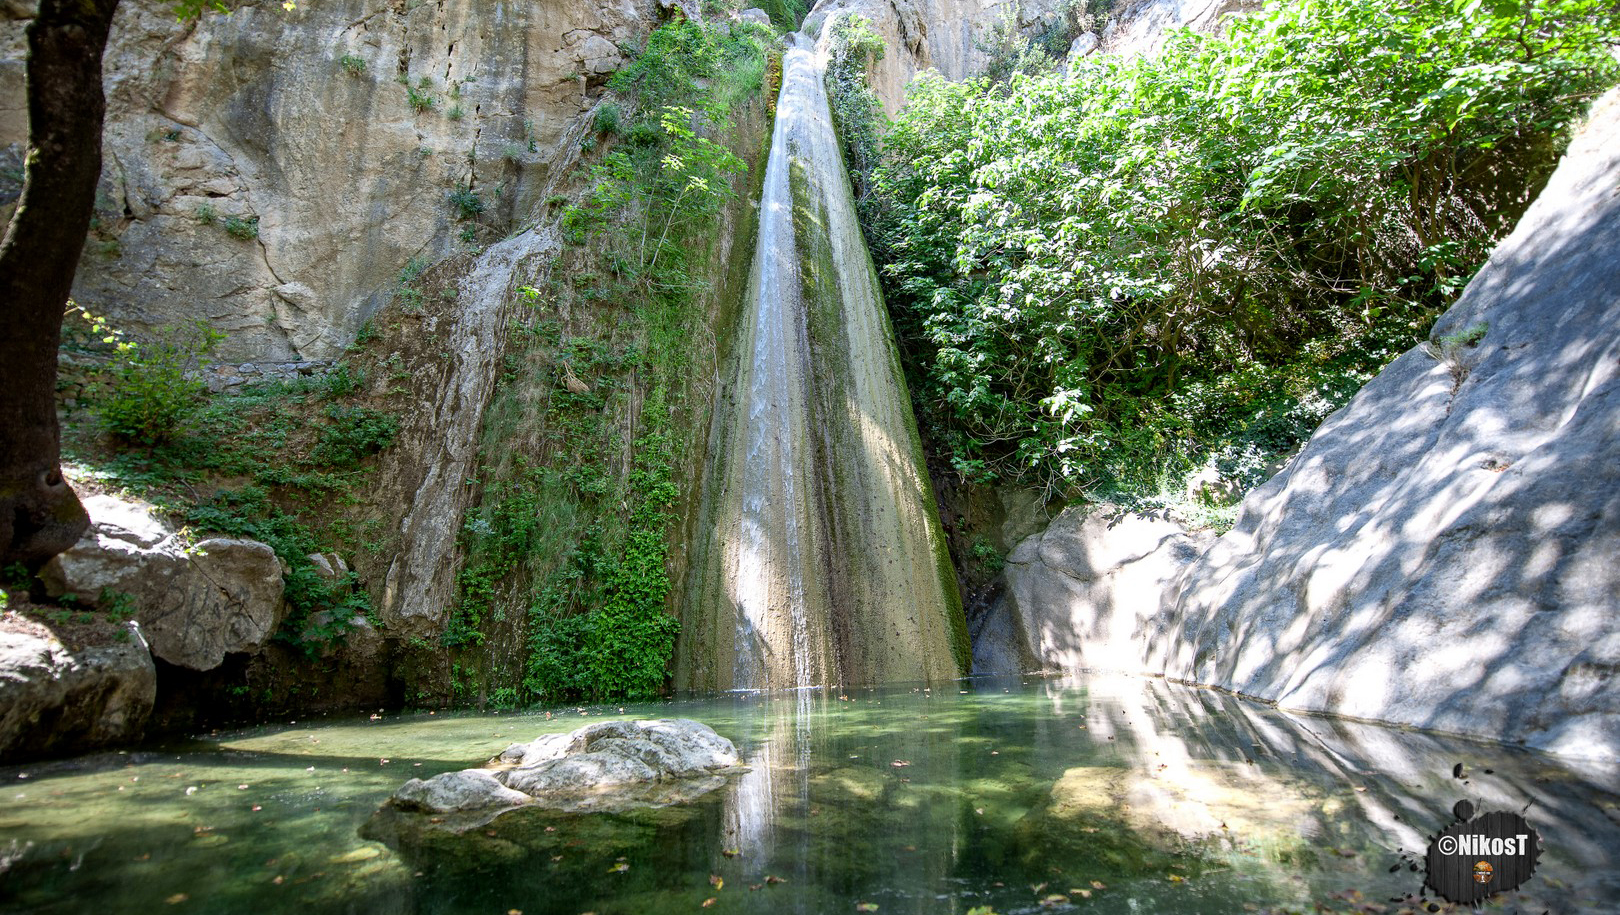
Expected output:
(1108, 795)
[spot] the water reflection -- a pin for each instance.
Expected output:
(1095, 795)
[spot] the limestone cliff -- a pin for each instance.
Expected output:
(272, 171)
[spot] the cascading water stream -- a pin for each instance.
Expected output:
(820, 558)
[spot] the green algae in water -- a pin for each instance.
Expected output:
(1105, 795)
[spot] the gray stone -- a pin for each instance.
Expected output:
(1079, 593)
(56, 700)
(756, 16)
(195, 604)
(614, 765)
(468, 789)
(1082, 47)
(1443, 551)
(329, 566)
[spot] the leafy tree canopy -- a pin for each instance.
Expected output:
(1115, 274)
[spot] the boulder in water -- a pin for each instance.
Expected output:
(608, 766)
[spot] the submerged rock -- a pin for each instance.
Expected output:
(194, 603)
(609, 766)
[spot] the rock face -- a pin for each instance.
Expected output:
(610, 766)
(272, 171)
(194, 605)
(1443, 551)
(1077, 595)
(56, 700)
(950, 35)
(1141, 27)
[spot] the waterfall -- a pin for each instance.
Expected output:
(819, 558)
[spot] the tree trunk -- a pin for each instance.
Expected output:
(39, 514)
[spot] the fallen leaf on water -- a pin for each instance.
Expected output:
(730, 852)
(981, 910)
(773, 879)
(177, 898)
(1098, 885)
(900, 763)
(1036, 888)
(508, 911)
(279, 880)
(754, 886)
(710, 901)
(866, 907)
(1176, 878)
(241, 787)
(619, 868)
(1055, 900)
(1082, 893)
(717, 881)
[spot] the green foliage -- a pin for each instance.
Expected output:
(786, 14)
(608, 118)
(572, 524)
(353, 434)
(154, 386)
(246, 228)
(456, 113)
(467, 203)
(320, 610)
(858, 115)
(352, 65)
(1010, 51)
(1111, 278)
(206, 214)
(421, 98)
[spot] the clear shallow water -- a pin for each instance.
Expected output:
(1152, 798)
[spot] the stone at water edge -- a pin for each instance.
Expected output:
(468, 789)
(609, 765)
(195, 604)
(57, 700)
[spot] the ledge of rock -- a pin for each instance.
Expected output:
(610, 766)
(194, 605)
(56, 698)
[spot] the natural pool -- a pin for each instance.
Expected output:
(1095, 795)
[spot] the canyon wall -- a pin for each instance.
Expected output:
(272, 172)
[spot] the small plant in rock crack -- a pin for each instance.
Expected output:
(245, 228)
